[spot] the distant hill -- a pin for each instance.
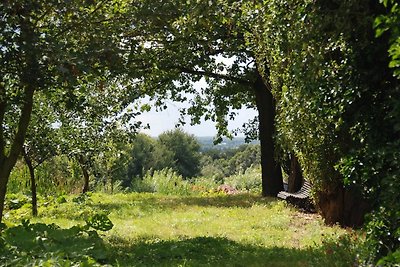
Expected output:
(207, 143)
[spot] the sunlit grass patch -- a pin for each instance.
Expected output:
(212, 230)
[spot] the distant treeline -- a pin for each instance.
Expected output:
(207, 143)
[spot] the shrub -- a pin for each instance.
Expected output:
(250, 180)
(165, 181)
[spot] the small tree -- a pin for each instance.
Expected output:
(183, 44)
(40, 143)
(45, 47)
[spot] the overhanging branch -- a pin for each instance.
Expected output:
(214, 75)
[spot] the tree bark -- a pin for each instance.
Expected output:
(28, 83)
(345, 206)
(272, 181)
(85, 173)
(33, 182)
(295, 180)
(7, 162)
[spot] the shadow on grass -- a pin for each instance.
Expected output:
(218, 251)
(158, 202)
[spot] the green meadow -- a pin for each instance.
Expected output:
(150, 229)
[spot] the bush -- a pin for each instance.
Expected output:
(165, 181)
(250, 180)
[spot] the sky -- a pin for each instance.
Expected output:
(167, 119)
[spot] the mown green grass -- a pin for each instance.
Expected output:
(210, 230)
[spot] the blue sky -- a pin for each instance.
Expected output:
(167, 119)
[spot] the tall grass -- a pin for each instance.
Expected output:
(249, 180)
(168, 182)
(165, 181)
(56, 176)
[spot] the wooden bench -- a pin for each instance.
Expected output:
(300, 199)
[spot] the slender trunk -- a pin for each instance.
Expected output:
(112, 183)
(272, 181)
(295, 180)
(85, 173)
(33, 182)
(4, 175)
(7, 162)
(29, 81)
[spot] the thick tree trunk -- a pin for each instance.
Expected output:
(272, 181)
(295, 180)
(33, 183)
(85, 173)
(342, 205)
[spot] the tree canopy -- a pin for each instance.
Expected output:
(323, 75)
(51, 47)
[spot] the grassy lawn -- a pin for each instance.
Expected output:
(211, 230)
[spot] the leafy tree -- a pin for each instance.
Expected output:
(336, 109)
(40, 143)
(175, 44)
(49, 46)
(91, 130)
(244, 158)
(219, 164)
(141, 156)
(112, 164)
(389, 22)
(185, 152)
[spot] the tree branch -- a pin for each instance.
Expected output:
(23, 123)
(214, 75)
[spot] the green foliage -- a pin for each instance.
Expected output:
(392, 259)
(57, 175)
(250, 180)
(173, 149)
(184, 151)
(146, 155)
(218, 164)
(165, 181)
(38, 244)
(16, 201)
(337, 99)
(53, 74)
(172, 51)
(100, 221)
(390, 22)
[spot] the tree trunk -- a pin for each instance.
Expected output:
(112, 183)
(85, 173)
(295, 180)
(33, 183)
(272, 181)
(29, 82)
(342, 205)
(4, 175)
(7, 162)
